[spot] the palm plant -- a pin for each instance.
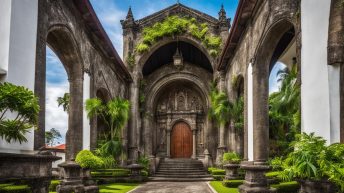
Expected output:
(115, 114)
(51, 136)
(64, 101)
(284, 111)
(21, 104)
(220, 106)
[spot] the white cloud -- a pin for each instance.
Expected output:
(55, 117)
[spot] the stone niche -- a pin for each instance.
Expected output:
(179, 103)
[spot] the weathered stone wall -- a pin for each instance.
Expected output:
(64, 29)
(252, 43)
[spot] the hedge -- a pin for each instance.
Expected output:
(232, 183)
(287, 187)
(218, 177)
(53, 185)
(218, 172)
(10, 188)
(111, 173)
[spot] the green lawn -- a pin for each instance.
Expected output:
(217, 185)
(117, 187)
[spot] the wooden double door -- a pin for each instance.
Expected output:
(181, 141)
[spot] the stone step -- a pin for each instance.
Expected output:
(159, 179)
(182, 176)
(180, 173)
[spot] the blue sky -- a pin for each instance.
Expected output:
(110, 12)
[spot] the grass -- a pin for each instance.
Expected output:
(117, 187)
(217, 185)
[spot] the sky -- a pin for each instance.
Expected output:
(110, 12)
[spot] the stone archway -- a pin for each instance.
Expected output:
(181, 140)
(261, 71)
(61, 40)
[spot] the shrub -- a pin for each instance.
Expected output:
(24, 105)
(87, 159)
(210, 169)
(144, 173)
(218, 172)
(287, 187)
(15, 189)
(274, 174)
(232, 183)
(111, 173)
(231, 157)
(218, 177)
(53, 185)
(144, 161)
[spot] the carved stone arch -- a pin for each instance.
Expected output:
(160, 84)
(167, 40)
(103, 94)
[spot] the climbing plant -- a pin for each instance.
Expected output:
(131, 60)
(175, 25)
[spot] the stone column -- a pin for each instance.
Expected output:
(134, 114)
(221, 147)
(74, 134)
(194, 144)
(148, 137)
(168, 142)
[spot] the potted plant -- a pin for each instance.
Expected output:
(115, 115)
(318, 168)
(88, 161)
(231, 161)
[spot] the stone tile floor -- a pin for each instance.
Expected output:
(173, 187)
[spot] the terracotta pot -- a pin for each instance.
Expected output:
(231, 171)
(317, 186)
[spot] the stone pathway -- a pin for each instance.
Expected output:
(173, 187)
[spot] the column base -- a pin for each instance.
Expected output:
(219, 155)
(255, 180)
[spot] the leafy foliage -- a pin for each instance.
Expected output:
(313, 160)
(131, 60)
(237, 114)
(51, 136)
(144, 161)
(115, 114)
(284, 112)
(175, 25)
(23, 105)
(64, 101)
(220, 106)
(231, 157)
(87, 159)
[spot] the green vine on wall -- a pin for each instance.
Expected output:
(131, 60)
(175, 25)
(142, 96)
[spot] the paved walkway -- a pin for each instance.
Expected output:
(173, 187)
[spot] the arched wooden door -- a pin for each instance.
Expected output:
(181, 141)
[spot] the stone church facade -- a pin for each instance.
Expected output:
(173, 96)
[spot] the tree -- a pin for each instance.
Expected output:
(64, 101)
(51, 136)
(18, 112)
(115, 114)
(284, 111)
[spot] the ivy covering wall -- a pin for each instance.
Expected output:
(175, 25)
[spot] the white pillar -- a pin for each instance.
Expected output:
(86, 122)
(319, 89)
(250, 113)
(18, 34)
(334, 86)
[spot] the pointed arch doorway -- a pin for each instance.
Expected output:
(181, 141)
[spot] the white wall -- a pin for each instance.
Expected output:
(18, 50)
(86, 122)
(250, 112)
(319, 102)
